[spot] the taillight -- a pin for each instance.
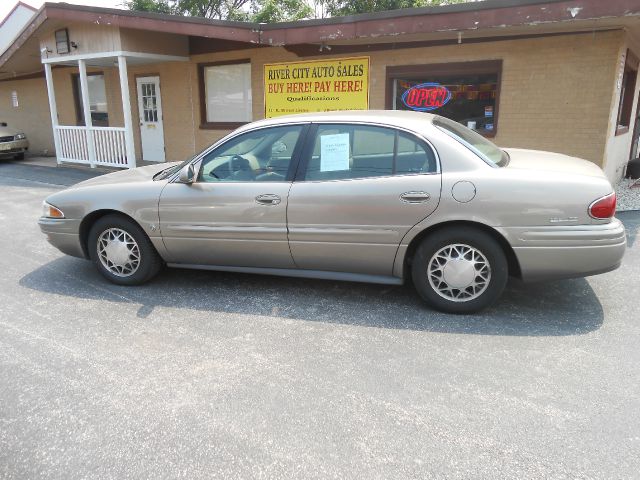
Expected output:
(604, 207)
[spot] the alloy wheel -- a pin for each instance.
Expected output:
(118, 252)
(459, 272)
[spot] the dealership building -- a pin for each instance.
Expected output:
(106, 87)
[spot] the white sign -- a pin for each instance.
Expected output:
(334, 152)
(14, 99)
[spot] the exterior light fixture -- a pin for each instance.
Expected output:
(62, 41)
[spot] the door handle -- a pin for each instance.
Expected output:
(415, 197)
(268, 199)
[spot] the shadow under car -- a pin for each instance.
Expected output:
(568, 307)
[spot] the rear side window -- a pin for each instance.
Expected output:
(413, 156)
(360, 151)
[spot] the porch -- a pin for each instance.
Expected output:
(90, 143)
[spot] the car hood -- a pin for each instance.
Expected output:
(551, 162)
(133, 175)
(8, 131)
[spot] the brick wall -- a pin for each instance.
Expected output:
(555, 92)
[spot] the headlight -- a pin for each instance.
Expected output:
(20, 136)
(49, 211)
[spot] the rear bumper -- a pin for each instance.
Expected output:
(546, 253)
(63, 234)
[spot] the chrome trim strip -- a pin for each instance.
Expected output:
(290, 272)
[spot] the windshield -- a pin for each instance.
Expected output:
(482, 147)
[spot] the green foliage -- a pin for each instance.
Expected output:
(350, 7)
(221, 9)
(270, 11)
(263, 11)
(156, 6)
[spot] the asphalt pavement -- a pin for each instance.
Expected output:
(219, 375)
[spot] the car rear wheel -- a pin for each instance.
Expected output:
(19, 156)
(122, 252)
(459, 270)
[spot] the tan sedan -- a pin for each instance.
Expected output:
(373, 196)
(13, 143)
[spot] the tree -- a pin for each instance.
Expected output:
(156, 6)
(272, 11)
(262, 11)
(220, 9)
(350, 7)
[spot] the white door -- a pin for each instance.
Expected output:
(150, 111)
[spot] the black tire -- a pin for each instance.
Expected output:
(450, 246)
(132, 272)
(19, 156)
(633, 168)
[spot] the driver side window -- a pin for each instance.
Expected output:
(258, 156)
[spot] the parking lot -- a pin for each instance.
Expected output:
(219, 375)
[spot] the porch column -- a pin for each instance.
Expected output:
(126, 110)
(84, 87)
(53, 109)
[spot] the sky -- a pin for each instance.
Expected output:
(7, 5)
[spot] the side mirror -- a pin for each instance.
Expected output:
(187, 174)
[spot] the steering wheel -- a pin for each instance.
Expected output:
(237, 161)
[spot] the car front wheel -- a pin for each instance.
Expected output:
(459, 270)
(122, 252)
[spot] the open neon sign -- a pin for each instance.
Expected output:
(426, 97)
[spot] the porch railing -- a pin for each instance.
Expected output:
(109, 145)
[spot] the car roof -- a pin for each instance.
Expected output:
(395, 118)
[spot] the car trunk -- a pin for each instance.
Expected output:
(551, 162)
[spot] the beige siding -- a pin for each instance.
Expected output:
(32, 116)
(89, 37)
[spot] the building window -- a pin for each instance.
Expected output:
(97, 99)
(627, 93)
(225, 94)
(465, 92)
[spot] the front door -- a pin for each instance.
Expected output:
(235, 214)
(150, 112)
(363, 189)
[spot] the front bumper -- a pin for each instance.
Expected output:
(546, 253)
(63, 234)
(13, 148)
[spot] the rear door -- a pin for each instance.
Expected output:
(360, 189)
